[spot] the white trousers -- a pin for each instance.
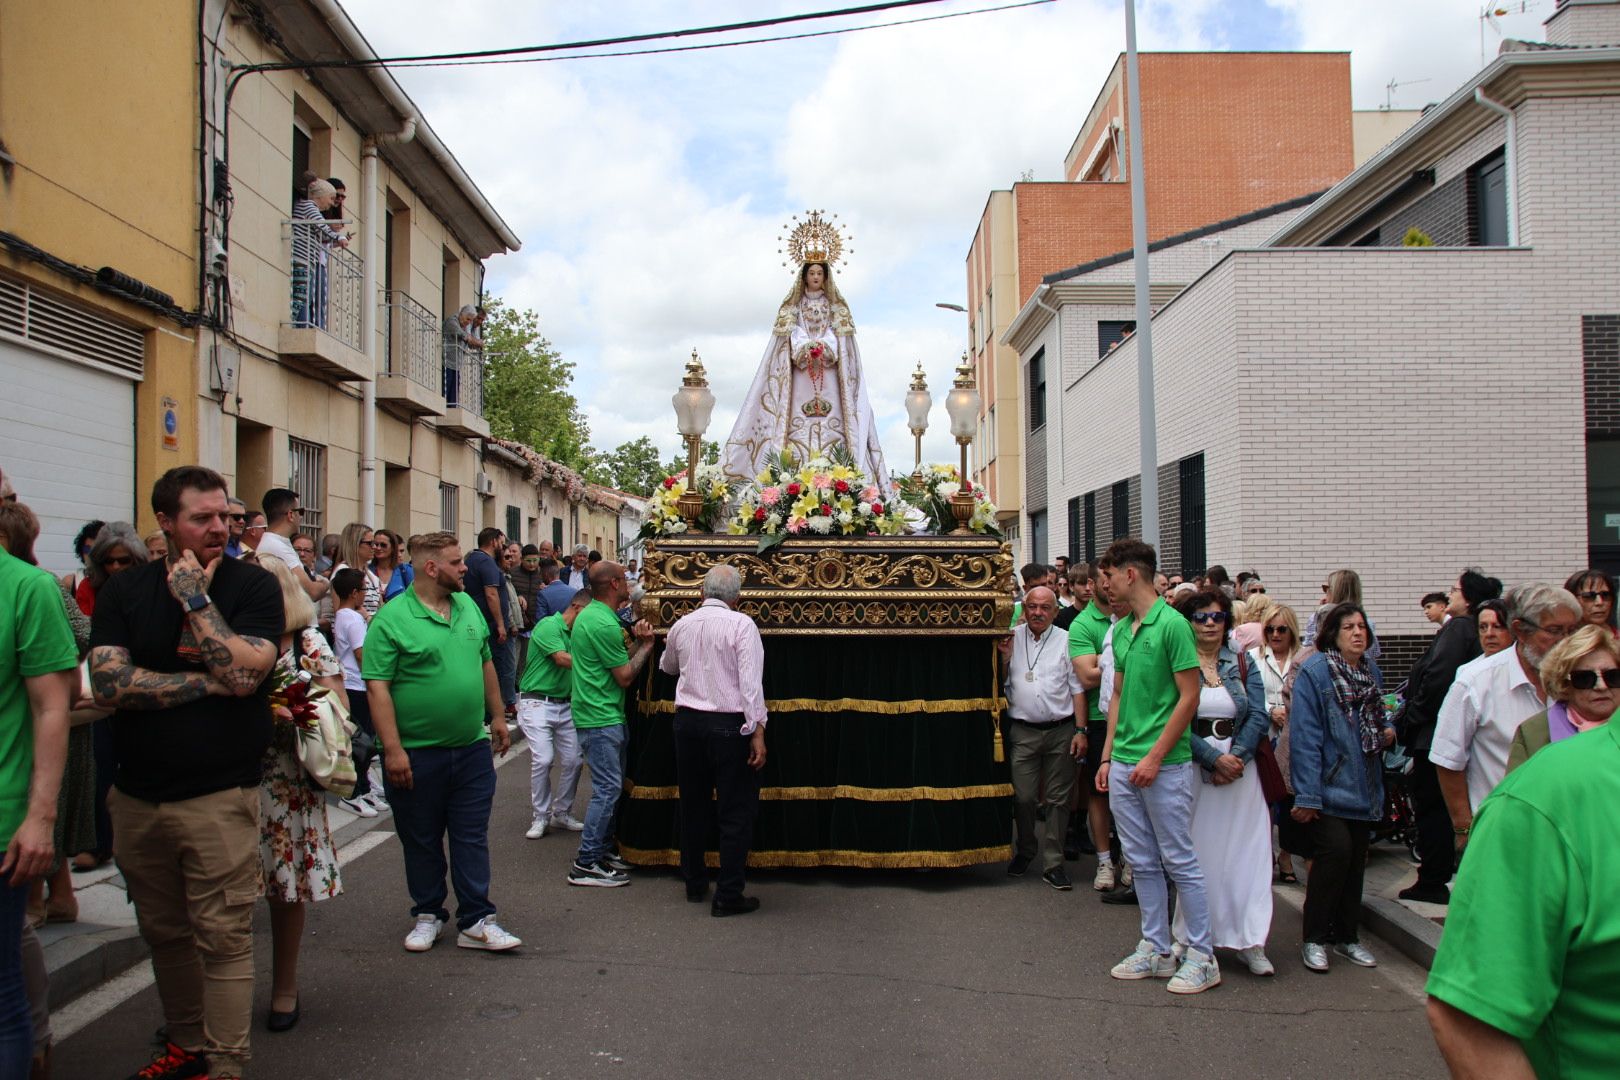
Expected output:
(549, 728)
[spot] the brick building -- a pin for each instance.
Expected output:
(1333, 398)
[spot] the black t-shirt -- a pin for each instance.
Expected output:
(204, 746)
(1065, 616)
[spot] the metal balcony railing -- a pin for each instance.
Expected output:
(413, 340)
(325, 281)
(463, 377)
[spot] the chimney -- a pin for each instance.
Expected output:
(1584, 23)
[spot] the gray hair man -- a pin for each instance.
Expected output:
(1046, 707)
(576, 575)
(718, 656)
(1492, 696)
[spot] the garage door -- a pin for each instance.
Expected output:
(67, 438)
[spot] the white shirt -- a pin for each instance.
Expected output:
(279, 546)
(575, 578)
(1105, 670)
(1488, 700)
(1041, 682)
(349, 631)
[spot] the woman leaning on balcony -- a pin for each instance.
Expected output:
(311, 236)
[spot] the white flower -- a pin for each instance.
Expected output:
(773, 522)
(677, 526)
(948, 489)
(865, 508)
(820, 524)
(845, 517)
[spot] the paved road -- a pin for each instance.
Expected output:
(927, 974)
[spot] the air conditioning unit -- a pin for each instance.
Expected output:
(485, 484)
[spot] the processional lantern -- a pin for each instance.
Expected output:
(962, 404)
(694, 404)
(918, 405)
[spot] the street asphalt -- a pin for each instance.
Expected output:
(927, 974)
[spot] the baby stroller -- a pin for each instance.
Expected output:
(1398, 826)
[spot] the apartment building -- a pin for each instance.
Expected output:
(1333, 397)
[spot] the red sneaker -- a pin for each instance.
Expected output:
(175, 1063)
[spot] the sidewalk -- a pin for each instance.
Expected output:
(1413, 928)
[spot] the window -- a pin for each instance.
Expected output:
(1193, 555)
(1090, 526)
(514, 524)
(1074, 530)
(1037, 390)
(556, 535)
(989, 453)
(1603, 502)
(306, 475)
(1490, 202)
(1111, 333)
(1120, 497)
(449, 514)
(1037, 536)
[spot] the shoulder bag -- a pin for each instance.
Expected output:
(1265, 758)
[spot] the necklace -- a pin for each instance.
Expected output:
(1207, 667)
(1029, 665)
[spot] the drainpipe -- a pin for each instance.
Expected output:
(1510, 150)
(369, 300)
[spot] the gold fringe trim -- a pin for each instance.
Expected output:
(864, 860)
(848, 791)
(862, 705)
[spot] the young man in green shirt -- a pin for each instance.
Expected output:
(547, 721)
(1148, 771)
(429, 680)
(1086, 634)
(1524, 981)
(602, 669)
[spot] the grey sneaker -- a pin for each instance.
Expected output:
(1198, 972)
(1315, 956)
(1144, 963)
(1255, 958)
(1356, 953)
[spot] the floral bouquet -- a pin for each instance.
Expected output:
(663, 517)
(931, 490)
(295, 692)
(825, 496)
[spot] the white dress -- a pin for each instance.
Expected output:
(1231, 835)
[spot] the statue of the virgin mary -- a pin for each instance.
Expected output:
(810, 393)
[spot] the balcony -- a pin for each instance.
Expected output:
(322, 333)
(463, 392)
(411, 384)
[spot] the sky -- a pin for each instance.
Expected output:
(649, 191)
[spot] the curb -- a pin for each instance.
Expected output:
(78, 964)
(1414, 936)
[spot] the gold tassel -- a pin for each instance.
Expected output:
(865, 860)
(849, 791)
(857, 705)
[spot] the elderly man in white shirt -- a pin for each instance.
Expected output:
(1492, 696)
(1047, 709)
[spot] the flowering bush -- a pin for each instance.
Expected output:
(826, 496)
(663, 517)
(931, 492)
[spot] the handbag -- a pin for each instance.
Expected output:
(326, 747)
(1272, 786)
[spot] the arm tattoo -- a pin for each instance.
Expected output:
(214, 637)
(116, 681)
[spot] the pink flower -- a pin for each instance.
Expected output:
(870, 493)
(769, 496)
(823, 480)
(795, 524)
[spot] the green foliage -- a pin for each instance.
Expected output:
(1416, 237)
(632, 467)
(528, 395)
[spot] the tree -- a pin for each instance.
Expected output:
(632, 467)
(528, 395)
(708, 455)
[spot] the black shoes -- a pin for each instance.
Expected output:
(1428, 894)
(1017, 867)
(696, 894)
(1058, 878)
(284, 1021)
(740, 906)
(1127, 895)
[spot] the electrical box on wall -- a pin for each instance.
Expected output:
(224, 364)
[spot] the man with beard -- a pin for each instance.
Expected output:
(1492, 696)
(429, 678)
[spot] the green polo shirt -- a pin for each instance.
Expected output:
(541, 675)
(434, 668)
(1532, 941)
(597, 646)
(35, 639)
(1148, 659)
(1086, 635)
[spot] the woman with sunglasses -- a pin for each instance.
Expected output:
(1271, 665)
(1595, 590)
(394, 575)
(355, 544)
(1231, 830)
(1582, 677)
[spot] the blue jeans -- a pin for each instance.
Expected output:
(1155, 832)
(505, 658)
(603, 751)
(452, 790)
(16, 1023)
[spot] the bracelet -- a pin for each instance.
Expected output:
(1463, 831)
(1104, 761)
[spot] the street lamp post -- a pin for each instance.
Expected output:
(918, 405)
(1147, 421)
(962, 404)
(693, 404)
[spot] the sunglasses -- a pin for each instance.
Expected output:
(237, 517)
(1588, 680)
(1597, 594)
(1202, 617)
(1257, 589)
(1277, 630)
(117, 560)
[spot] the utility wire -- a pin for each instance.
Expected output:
(712, 44)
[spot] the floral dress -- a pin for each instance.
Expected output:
(295, 841)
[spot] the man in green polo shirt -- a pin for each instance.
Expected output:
(1086, 634)
(1156, 687)
(1524, 981)
(429, 679)
(602, 669)
(547, 721)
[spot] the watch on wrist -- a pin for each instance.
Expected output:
(198, 602)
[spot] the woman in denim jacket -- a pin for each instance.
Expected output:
(1338, 730)
(1231, 829)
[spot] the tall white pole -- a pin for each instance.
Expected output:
(1149, 434)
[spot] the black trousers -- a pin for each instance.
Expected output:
(1436, 848)
(719, 795)
(1333, 889)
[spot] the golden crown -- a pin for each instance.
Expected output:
(815, 239)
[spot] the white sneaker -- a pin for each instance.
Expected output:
(567, 821)
(358, 806)
(486, 934)
(378, 803)
(1126, 878)
(425, 934)
(1255, 957)
(537, 829)
(1198, 972)
(1104, 881)
(1144, 963)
